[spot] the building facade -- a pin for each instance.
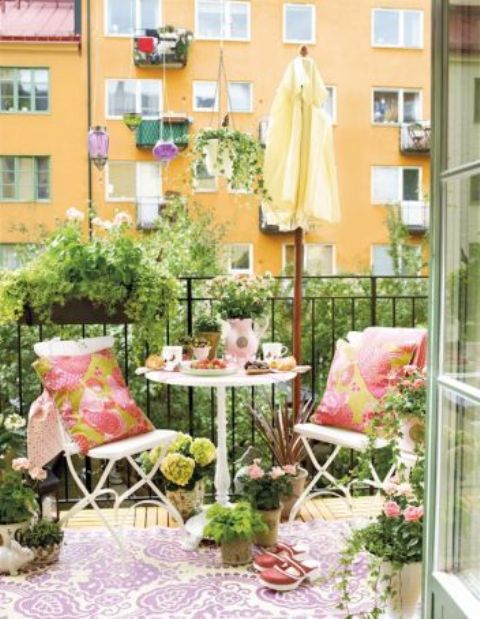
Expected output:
(99, 59)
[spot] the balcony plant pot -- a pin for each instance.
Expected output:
(75, 312)
(406, 585)
(271, 518)
(298, 486)
(187, 502)
(237, 552)
(45, 555)
(217, 160)
(242, 341)
(9, 532)
(413, 433)
(213, 339)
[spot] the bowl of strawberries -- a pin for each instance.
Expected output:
(208, 367)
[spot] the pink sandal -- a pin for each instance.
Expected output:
(290, 575)
(279, 554)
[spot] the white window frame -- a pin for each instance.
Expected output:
(313, 40)
(305, 255)
(418, 249)
(231, 271)
(224, 36)
(400, 184)
(400, 92)
(334, 102)
(202, 109)
(137, 20)
(197, 189)
(138, 97)
(250, 107)
(401, 44)
(134, 198)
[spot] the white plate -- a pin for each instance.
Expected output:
(185, 369)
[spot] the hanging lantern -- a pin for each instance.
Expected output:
(132, 120)
(98, 146)
(164, 152)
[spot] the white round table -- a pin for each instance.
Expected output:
(222, 478)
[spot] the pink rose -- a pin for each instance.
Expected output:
(391, 509)
(290, 469)
(418, 383)
(404, 489)
(20, 464)
(277, 472)
(390, 487)
(38, 473)
(413, 514)
(254, 471)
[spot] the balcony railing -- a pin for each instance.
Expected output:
(175, 126)
(267, 228)
(166, 46)
(415, 216)
(415, 137)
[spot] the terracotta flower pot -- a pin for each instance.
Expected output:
(406, 590)
(213, 338)
(238, 552)
(298, 486)
(272, 519)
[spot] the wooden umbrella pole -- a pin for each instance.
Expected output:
(297, 318)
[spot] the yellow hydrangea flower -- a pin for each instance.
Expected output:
(203, 450)
(178, 468)
(181, 442)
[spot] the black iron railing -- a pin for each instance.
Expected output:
(332, 306)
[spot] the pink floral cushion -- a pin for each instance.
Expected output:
(91, 395)
(359, 376)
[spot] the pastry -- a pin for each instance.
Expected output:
(154, 362)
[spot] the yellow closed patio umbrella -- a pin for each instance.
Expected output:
(299, 168)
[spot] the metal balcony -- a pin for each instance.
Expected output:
(415, 137)
(166, 46)
(415, 216)
(267, 228)
(176, 126)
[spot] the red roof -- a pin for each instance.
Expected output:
(37, 20)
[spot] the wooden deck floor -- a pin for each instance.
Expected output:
(148, 516)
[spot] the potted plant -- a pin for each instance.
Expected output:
(208, 326)
(242, 299)
(44, 538)
(276, 428)
(18, 505)
(186, 343)
(264, 489)
(394, 545)
(233, 154)
(234, 528)
(200, 348)
(184, 469)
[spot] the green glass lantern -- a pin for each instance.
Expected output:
(132, 120)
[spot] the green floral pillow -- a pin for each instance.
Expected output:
(91, 396)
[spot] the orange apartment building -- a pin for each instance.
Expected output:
(65, 65)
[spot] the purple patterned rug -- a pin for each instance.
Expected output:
(161, 580)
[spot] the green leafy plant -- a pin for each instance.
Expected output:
(12, 438)
(244, 152)
(17, 499)
(207, 322)
(42, 534)
(241, 296)
(227, 524)
(264, 488)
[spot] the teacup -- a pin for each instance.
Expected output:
(273, 350)
(201, 353)
(172, 355)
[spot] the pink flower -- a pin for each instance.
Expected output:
(391, 509)
(404, 489)
(38, 473)
(254, 471)
(20, 464)
(390, 487)
(413, 514)
(409, 369)
(418, 383)
(122, 218)
(290, 469)
(277, 472)
(74, 214)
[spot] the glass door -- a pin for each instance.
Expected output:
(452, 566)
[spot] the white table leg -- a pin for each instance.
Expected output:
(222, 472)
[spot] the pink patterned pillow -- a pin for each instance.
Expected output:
(358, 377)
(92, 398)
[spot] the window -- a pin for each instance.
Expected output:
(382, 262)
(396, 106)
(397, 28)
(318, 259)
(142, 96)
(240, 97)
(24, 179)
(125, 17)
(330, 105)
(239, 258)
(395, 184)
(205, 97)
(229, 20)
(131, 181)
(298, 23)
(24, 90)
(203, 182)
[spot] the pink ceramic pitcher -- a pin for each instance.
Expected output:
(242, 339)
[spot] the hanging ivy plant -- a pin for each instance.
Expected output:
(233, 154)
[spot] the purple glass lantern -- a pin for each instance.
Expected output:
(164, 152)
(98, 146)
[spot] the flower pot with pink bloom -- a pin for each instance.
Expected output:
(264, 488)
